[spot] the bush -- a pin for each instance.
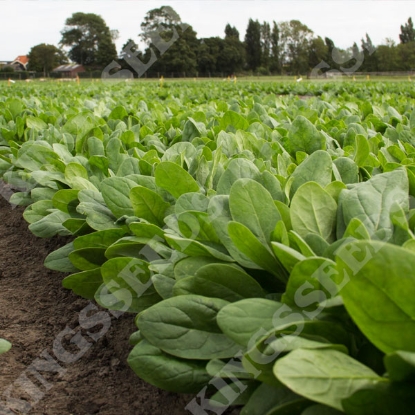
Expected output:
(7, 69)
(262, 71)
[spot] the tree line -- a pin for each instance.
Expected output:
(267, 48)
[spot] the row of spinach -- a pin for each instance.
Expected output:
(265, 243)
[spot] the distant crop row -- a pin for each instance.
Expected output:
(265, 242)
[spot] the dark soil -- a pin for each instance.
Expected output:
(34, 310)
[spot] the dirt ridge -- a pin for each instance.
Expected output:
(34, 311)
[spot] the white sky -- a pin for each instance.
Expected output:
(25, 23)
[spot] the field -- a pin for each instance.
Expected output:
(249, 242)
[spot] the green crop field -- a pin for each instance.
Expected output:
(261, 232)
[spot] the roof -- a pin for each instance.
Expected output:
(67, 67)
(23, 59)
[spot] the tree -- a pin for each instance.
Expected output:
(128, 48)
(207, 55)
(232, 55)
(156, 20)
(253, 44)
(275, 65)
(231, 32)
(406, 53)
(370, 63)
(265, 45)
(181, 56)
(407, 32)
(89, 39)
(172, 45)
(295, 38)
(44, 58)
(388, 57)
(317, 51)
(329, 56)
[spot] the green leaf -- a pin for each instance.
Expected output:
(35, 123)
(195, 248)
(34, 156)
(272, 184)
(75, 170)
(77, 226)
(287, 256)
(227, 369)
(324, 376)
(304, 136)
(116, 193)
(197, 225)
(66, 200)
(220, 216)
(92, 205)
(280, 234)
(163, 285)
(284, 211)
(15, 106)
(382, 399)
(243, 320)
(84, 283)
(318, 245)
(41, 193)
(232, 121)
(400, 366)
(334, 189)
(313, 210)
(371, 202)
(356, 229)
(249, 245)
(266, 398)
(59, 260)
(4, 346)
(193, 129)
(191, 201)
(118, 113)
(316, 168)
(173, 178)
(148, 205)
(146, 231)
(167, 372)
(252, 205)
(95, 147)
(362, 150)
(20, 199)
(168, 325)
(312, 281)
(38, 211)
(239, 168)
(190, 265)
(320, 410)
(220, 281)
(234, 393)
(87, 258)
(50, 225)
(297, 242)
(128, 279)
(288, 342)
(379, 296)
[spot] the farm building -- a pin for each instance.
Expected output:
(20, 63)
(68, 70)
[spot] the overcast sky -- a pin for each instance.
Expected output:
(25, 23)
